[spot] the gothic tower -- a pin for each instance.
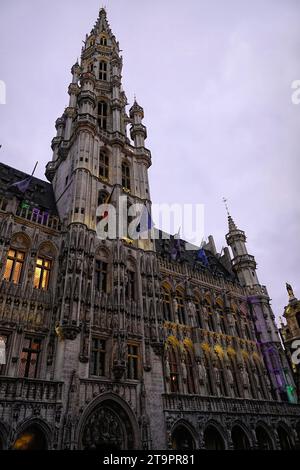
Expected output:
(101, 284)
(264, 320)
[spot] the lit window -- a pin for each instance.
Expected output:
(125, 176)
(102, 70)
(30, 357)
(102, 114)
(14, 266)
(132, 362)
(101, 273)
(42, 273)
(103, 165)
(98, 357)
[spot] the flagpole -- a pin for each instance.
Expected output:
(33, 171)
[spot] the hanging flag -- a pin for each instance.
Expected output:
(201, 256)
(24, 184)
(145, 223)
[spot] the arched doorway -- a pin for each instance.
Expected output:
(213, 439)
(182, 439)
(108, 428)
(239, 438)
(263, 439)
(32, 438)
(285, 440)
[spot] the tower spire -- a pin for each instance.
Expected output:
(231, 225)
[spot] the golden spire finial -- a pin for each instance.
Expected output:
(226, 205)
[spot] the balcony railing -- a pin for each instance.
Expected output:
(35, 215)
(197, 403)
(24, 389)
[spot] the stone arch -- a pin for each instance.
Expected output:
(183, 436)
(119, 428)
(285, 433)
(33, 434)
(264, 437)
(240, 437)
(47, 248)
(20, 240)
(214, 436)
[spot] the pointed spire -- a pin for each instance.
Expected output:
(231, 224)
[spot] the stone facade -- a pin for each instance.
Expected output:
(117, 343)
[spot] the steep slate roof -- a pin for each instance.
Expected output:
(40, 193)
(215, 266)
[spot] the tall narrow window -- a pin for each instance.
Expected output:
(14, 266)
(132, 362)
(103, 70)
(101, 275)
(103, 165)
(190, 373)
(98, 357)
(233, 368)
(42, 273)
(130, 287)
(125, 176)
(103, 41)
(174, 382)
(30, 357)
(222, 378)
(102, 114)
(180, 307)
(3, 351)
(222, 324)
(210, 321)
(166, 299)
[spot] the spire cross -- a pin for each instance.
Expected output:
(226, 205)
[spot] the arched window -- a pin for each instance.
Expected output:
(102, 114)
(103, 41)
(103, 165)
(180, 307)
(125, 176)
(42, 273)
(14, 266)
(190, 371)
(102, 197)
(166, 299)
(174, 373)
(102, 70)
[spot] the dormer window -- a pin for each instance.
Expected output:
(103, 41)
(103, 70)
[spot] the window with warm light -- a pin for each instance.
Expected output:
(42, 273)
(14, 266)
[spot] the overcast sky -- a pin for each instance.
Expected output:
(214, 78)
